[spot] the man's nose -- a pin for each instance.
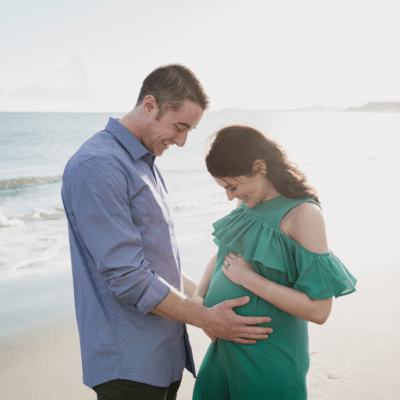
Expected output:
(180, 139)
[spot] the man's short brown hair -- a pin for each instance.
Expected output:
(171, 85)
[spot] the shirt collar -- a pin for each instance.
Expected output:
(128, 140)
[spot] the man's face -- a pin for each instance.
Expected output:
(172, 128)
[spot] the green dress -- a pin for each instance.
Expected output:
(275, 368)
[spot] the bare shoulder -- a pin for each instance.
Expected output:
(307, 211)
(305, 225)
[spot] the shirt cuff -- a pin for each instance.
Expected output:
(155, 294)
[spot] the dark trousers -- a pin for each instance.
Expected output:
(122, 389)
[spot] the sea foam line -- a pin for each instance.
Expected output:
(36, 214)
(198, 203)
(34, 180)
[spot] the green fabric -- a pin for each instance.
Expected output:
(275, 368)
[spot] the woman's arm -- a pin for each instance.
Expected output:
(202, 288)
(189, 285)
(306, 226)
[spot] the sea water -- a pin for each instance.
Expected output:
(349, 157)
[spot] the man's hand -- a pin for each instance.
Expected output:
(224, 323)
(200, 300)
(219, 321)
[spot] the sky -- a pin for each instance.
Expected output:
(92, 55)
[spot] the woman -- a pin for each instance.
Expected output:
(272, 248)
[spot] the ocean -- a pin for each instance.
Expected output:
(349, 157)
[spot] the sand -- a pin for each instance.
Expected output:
(354, 355)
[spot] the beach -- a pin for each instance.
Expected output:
(349, 157)
(354, 355)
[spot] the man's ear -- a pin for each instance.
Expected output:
(150, 105)
(260, 166)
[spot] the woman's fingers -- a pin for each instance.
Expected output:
(228, 259)
(231, 257)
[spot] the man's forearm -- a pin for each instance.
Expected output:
(220, 321)
(181, 308)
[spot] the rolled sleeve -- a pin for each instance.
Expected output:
(154, 295)
(100, 204)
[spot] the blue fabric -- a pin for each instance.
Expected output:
(124, 258)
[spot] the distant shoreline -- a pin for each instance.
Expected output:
(367, 107)
(386, 106)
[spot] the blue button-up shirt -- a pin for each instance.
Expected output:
(124, 258)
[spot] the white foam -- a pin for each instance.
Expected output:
(34, 180)
(36, 248)
(9, 221)
(36, 214)
(198, 203)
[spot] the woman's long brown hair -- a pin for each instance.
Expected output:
(234, 150)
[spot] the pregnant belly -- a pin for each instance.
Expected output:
(221, 289)
(289, 339)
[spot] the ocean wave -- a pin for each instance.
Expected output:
(6, 222)
(182, 171)
(198, 203)
(50, 261)
(34, 180)
(36, 214)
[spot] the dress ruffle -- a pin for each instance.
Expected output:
(323, 275)
(319, 275)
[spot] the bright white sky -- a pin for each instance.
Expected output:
(92, 55)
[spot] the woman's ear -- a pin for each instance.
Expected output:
(260, 167)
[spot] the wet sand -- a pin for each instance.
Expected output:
(354, 355)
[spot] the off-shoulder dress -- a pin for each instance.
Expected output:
(275, 368)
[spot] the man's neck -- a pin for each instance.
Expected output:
(133, 122)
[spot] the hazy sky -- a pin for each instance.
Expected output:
(92, 55)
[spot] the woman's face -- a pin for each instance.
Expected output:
(250, 190)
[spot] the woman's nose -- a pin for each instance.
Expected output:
(231, 195)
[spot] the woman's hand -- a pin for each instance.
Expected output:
(236, 269)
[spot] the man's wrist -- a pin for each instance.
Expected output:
(206, 318)
(197, 314)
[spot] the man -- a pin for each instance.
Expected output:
(132, 300)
